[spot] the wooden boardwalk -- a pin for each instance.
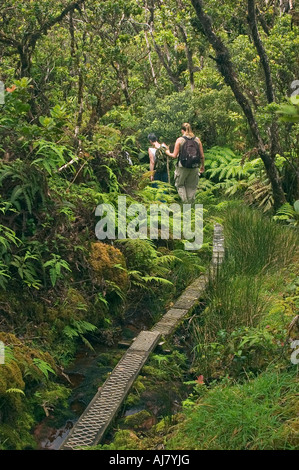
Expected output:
(93, 423)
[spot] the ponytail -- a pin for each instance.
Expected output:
(187, 128)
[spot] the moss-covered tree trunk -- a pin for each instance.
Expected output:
(226, 68)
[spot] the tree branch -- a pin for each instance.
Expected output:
(33, 37)
(9, 41)
(165, 64)
(188, 54)
(252, 21)
(225, 67)
(263, 22)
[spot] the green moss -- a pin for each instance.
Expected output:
(136, 420)
(123, 440)
(18, 437)
(103, 259)
(152, 371)
(23, 373)
(132, 400)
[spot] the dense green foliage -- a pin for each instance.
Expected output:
(85, 83)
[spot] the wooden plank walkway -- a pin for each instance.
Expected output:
(93, 423)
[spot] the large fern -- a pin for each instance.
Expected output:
(288, 213)
(51, 156)
(22, 185)
(223, 164)
(78, 329)
(43, 366)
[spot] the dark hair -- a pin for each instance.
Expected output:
(152, 137)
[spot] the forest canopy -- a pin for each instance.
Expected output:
(82, 85)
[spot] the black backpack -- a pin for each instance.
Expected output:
(190, 155)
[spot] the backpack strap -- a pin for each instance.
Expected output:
(185, 139)
(188, 138)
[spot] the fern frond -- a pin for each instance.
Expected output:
(15, 390)
(160, 280)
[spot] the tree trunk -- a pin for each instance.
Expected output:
(263, 22)
(122, 77)
(80, 103)
(225, 67)
(25, 61)
(188, 56)
(150, 59)
(173, 78)
(252, 21)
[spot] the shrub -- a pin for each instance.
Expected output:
(257, 415)
(256, 243)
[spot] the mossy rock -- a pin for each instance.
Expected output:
(17, 437)
(17, 307)
(132, 399)
(158, 374)
(19, 365)
(123, 440)
(140, 254)
(24, 372)
(137, 420)
(103, 259)
(104, 359)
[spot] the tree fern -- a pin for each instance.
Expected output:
(223, 164)
(7, 238)
(9, 354)
(27, 269)
(259, 193)
(4, 276)
(113, 184)
(115, 289)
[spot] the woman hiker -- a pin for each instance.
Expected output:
(189, 151)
